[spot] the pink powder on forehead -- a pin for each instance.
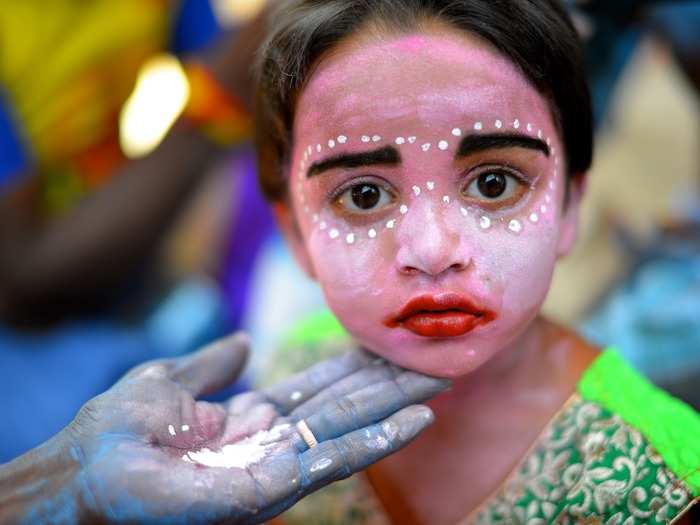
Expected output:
(412, 44)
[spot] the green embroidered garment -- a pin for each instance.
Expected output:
(620, 452)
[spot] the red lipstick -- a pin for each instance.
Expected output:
(443, 315)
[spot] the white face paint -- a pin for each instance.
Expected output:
(514, 225)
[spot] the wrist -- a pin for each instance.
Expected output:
(41, 486)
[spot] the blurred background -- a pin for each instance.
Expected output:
(132, 227)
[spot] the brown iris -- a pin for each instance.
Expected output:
(492, 185)
(365, 196)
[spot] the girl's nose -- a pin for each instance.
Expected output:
(427, 243)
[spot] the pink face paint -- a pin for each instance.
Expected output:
(432, 278)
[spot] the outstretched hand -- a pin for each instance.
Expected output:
(149, 451)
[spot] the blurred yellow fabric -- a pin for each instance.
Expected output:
(67, 66)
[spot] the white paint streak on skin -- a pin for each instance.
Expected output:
(515, 226)
(443, 145)
(390, 429)
(242, 453)
(321, 464)
(446, 199)
(516, 124)
(464, 211)
(543, 208)
(412, 140)
(376, 138)
(378, 443)
(529, 127)
(318, 148)
(478, 126)
(499, 124)
(334, 234)
(350, 239)
(403, 210)
(342, 139)
(547, 199)
(400, 141)
(430, 185)
(426, 146)
(457, 132)
(171, 430)
(534, 218)
(416, 190)
(323, 225)
(539, 133)
(185, 428)
(391, 224)
(365, 138)
(485, 223)
(296, 396)
(372, 233)
(331, 143)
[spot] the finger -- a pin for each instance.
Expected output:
(369, 375)
(214, 367)
(341, 457)
(304, 385)
(371, 404)
(283, 480)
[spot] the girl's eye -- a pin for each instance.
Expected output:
(364, 197)
(495, 187)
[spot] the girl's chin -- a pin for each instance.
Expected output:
(437, 360)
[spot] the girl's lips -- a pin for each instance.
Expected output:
(443, 315)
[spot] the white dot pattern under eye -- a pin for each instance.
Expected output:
(484, 221)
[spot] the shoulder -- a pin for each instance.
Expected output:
(620, 450)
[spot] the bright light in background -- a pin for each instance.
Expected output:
(233, 12)
(159, 97)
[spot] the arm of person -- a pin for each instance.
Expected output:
(147, 450)
(110, 234)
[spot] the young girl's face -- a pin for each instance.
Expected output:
(427, 182)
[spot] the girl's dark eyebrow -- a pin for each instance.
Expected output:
(475, 143)
(387, 156)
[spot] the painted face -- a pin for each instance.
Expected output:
(427, 184)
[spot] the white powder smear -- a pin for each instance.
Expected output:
(321, 464)
(240, 454)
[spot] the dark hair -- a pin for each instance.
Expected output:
(536, 35)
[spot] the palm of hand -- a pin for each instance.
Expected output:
(151, 452)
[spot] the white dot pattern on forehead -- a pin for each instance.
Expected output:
(514, 225)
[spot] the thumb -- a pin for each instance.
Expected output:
(214, 367)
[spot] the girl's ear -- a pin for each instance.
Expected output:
(570, 217)
(292, 235)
